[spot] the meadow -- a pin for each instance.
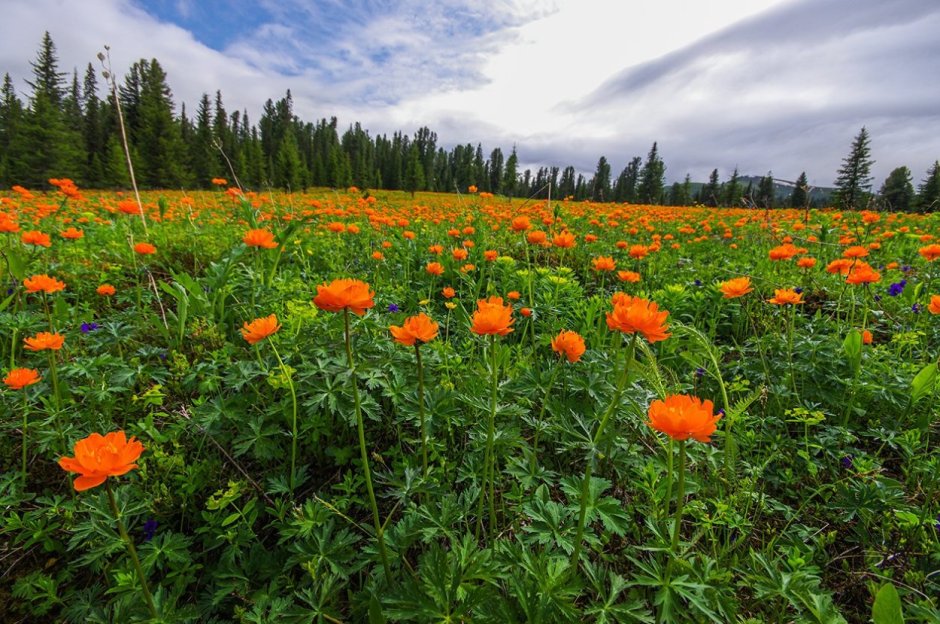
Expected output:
(342, 406)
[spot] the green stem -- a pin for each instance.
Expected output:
(293, 398)
(132, 551)
(424, 433)
(680, 499)
(25, 428)
(585, 484)
(57, 401)
(488, 474)
(363, 452)
(535, 439)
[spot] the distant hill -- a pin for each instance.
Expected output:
(818, 195)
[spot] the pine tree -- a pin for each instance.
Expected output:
(897, 192)
(414, 170)
(928, 193)
(625, 187)
(93, 133)
(854, 177)
(47, 79)
(711, 192)
(800, 195)
(766, 193)
(731, 192)
(495, 166)
(11, 119)
(652, 180)
(510, 176)
(600, 184)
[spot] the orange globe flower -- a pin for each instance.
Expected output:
(736, 287)
(43, 283)
(856, 251)
(934, 306)
(639, 251)
(806, 263)
(259, 329)
(448, 292)
(260, 238)
(604, 263)
(145, 249)
(44, 341)
(40, 239)
(930, 252)
(415, 328)
(867, 337)
(492, 317)
(862, 273)
(344, 294)
(105, 290)
(98, 457)
(513, 295)
(538, 237)
(71, 234)
(19, 378)
(434, 268)
(840, 265)
(459, 254)
(786, 296)
(634, 315)
(521, 224)
(628, 276)
(569, 344)
(682, 417)
(490, 255)
(563, 240)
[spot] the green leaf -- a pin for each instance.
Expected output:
(375, 611)
(16, 264)
(887, 607)
(924, 382)
(853, 349)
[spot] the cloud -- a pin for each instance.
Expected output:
(759, 84)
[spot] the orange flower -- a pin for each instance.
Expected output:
(415, 328)
(682, 417)
(806, 263)
(736, 287)
(855, 252)
(786, 296)
(866, 337)
(513, 295)
(434, 268)
(436, 249)
(378, 255)
(260, 238)
(633, 315)
(19, 378)
(563, 240)
(145, 249)
(72, 234)
(526, 312)
(862, 273)
(43, 341)
(471, 189)
(98, 457)
(259, 329)
(459, 254)
(628, 276)
(492, 317)
(490, 255)
(128, 206)
(521, 224)
(783, 252)
(639, 251)
(344, 294)
(105, 290)
(337, 227)
(604, 263)
(538, 237)
(930, 252)
(37, 238)
(219, 181)
(570, 344)
(43, 283)
(934, 307)
(448, 292)
(841, 265)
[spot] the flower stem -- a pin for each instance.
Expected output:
(293, 398)
(363, 452)
(424, 433)
(131, 550)
(586, 483)
(25, 427)
(680, 499)
(535, 439)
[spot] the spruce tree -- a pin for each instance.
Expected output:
(414, 170)
(731, 195)
(600, 184)
(652, 180)
(928, 193)
(711, 192)
(854, 177)
(897, 191)
(766, 192)
(799, 196)
(510, 176)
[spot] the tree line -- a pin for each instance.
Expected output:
(64, 129)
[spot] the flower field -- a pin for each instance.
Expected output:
(344, 407)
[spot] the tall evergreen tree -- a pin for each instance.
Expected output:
(897, 191)
(414, 170)
(928, 193)
(11, 119)
(766, 193)
(652, 178)
(731, 192)
(511, 174)
(93, 130)
(711, 192)
(800, 195)
(854, 178)
(600, 184)
(626, 186)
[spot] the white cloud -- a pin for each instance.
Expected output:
(761, 84)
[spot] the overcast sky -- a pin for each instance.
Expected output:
(781, 85)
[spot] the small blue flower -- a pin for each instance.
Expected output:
(877, 297)
(847, 462)
(906, 268)
(89, 327)
(798, 290)
(699, 372)
(393, 308)
(897, 288)
(698, 282)
(915, 308)
(150, 529)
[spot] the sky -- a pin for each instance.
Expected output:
(761, 85)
